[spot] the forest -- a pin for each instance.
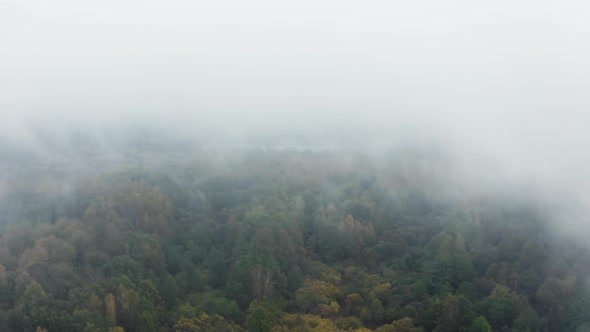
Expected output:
(280, 240)
(294, 166)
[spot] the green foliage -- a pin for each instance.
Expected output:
(284, 241)
(480, 324)
(261, 316)
(529, 321)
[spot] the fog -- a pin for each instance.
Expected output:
(502, 85)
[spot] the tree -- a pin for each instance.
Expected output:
(400, 325)
(480, 324)
(149, 299)
(451, 312)
(306, 298)
(349, 323)
(501, 307)
(170, 291)
(215, 262)
(110, 308)
(354, 304)
(377, 311)
(261, 317)
(529, 321)
(262, 282)
(130, 308)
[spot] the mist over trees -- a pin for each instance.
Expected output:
(294, 166)
(280, 240)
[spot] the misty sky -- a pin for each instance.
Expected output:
(507, 79)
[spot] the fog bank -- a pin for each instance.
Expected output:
(500, 85)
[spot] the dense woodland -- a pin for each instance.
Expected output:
(280, 240)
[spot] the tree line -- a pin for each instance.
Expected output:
(282, 240)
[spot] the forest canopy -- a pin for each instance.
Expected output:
(281, 240)
(306, 166)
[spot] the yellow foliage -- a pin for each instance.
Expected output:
(331, 276)
(403, 325)
(204, 318)
(129, 298)
(203, 322)
(186, 325)
(316, 295)
(382, 290)
(110, 308)
(323, 288)
(328, 310)
(372, 280)
(335, 307)
(310, 323)
(356, 227)
(400, 325)
(500, 291)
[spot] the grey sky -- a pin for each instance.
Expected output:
(508, 79)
